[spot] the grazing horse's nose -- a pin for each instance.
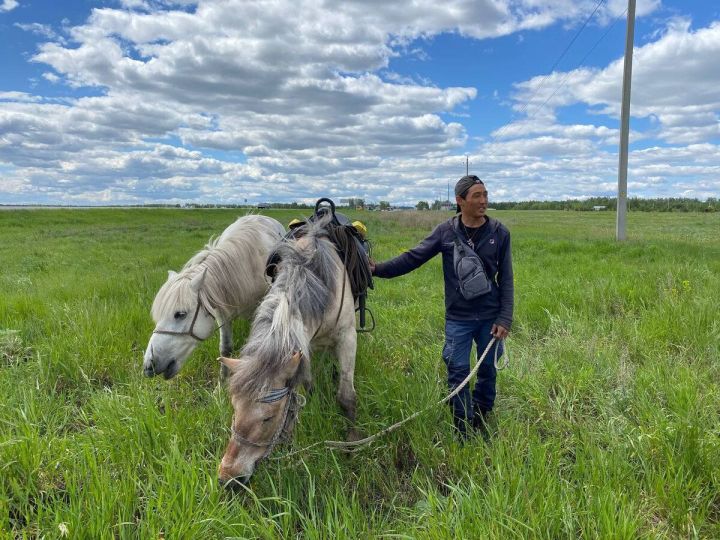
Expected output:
(149, 369)
(234, 484)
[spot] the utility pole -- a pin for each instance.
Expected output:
(625, 124)
(467, 165)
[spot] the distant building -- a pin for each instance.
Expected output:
(262, 205)
(599, 207)
(447, 206)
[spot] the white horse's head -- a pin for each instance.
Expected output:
(181, 322)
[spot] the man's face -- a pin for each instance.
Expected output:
(475, 202)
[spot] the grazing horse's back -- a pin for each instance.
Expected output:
(224, 281)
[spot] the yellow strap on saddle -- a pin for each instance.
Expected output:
(360, 228)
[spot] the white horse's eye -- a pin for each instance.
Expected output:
(180, 315)
(268, 418)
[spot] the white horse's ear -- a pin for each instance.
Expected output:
(231, 363)
(171, 274)
(197, 282)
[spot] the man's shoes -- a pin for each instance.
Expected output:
(461, 428)
(480, 423)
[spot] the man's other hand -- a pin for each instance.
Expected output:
(499, 332)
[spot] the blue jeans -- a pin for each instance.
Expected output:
(459, 336)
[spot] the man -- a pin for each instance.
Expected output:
(479, 319)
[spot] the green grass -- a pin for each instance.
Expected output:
(608, 417)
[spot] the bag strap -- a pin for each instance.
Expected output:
(459, 242)
(489, 232)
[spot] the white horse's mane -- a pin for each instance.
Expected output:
(230, 270)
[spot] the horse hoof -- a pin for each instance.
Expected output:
(354, 435)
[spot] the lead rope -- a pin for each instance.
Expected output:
(353, 446)
(505, 356)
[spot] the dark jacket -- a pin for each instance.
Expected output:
(493, 248)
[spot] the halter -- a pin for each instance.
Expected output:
(190, 332)
(294, 402)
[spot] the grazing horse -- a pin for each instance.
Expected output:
(309, 304)
(223, 281)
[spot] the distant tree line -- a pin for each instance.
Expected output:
(228, 205)
(672, 204)
(293, 204)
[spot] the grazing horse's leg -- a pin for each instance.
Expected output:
(226, 335)
(345, 351)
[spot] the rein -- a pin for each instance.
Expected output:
(342, 299)
(191, 331)
(342, 294)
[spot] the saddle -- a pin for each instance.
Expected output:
(352, 247)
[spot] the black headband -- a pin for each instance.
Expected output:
(465, 183)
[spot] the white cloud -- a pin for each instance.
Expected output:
(676, 81)
(37, 28)
(9, 5)
(51, 77)
(676, 87)
(297, 107)
(19, 97)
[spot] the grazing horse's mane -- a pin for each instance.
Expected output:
(303, 290)
(228, 271)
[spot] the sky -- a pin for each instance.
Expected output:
(242, 101)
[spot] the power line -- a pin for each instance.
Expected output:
(576, 35)
(546, 77)
(567, 75)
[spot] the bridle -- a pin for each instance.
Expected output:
(293, 403)
(190, 332)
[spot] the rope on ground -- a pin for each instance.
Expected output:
(352, 446)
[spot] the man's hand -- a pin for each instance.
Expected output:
(372, 265)
(499, 332)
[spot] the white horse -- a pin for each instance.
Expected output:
(309, 305)
(223, 281)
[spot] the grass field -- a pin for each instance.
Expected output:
(607, 418)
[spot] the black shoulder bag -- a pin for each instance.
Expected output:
(469, 269)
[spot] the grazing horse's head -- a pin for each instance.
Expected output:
(181, 321)
(264, 414)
